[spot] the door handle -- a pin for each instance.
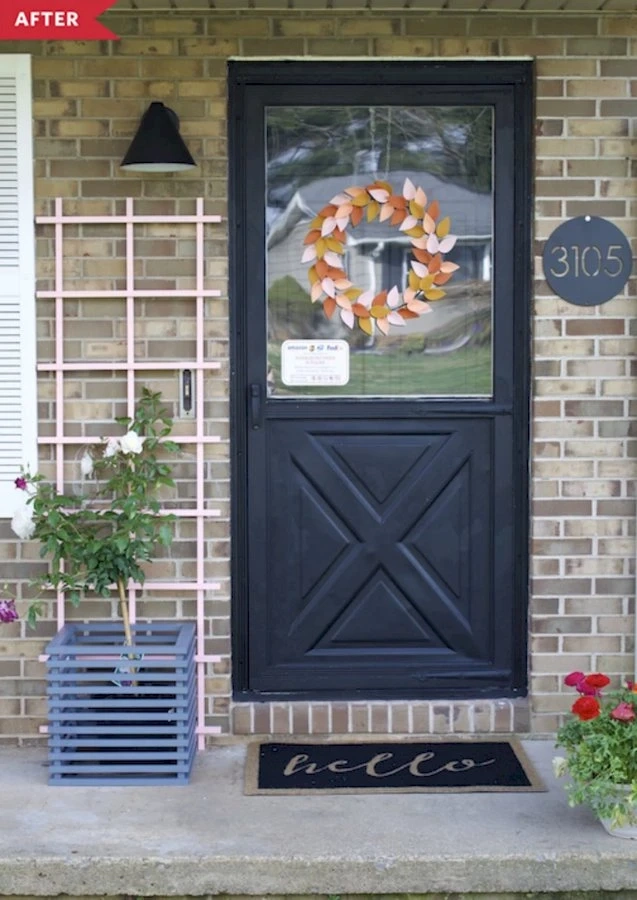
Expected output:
(256, 406)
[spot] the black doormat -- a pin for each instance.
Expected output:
(390, 766)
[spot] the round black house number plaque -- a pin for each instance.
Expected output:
(587, 261)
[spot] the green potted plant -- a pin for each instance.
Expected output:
(600, 741)
(121, 696)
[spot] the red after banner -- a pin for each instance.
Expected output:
(54, 20)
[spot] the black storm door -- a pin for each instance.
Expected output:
(379, 293)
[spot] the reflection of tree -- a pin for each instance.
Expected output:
(306, 143)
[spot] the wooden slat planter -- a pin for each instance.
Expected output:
(122, 715)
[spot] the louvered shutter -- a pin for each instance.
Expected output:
(18, 411)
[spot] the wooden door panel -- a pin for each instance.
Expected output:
(379, 547)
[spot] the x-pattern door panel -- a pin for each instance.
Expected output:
(380, 548)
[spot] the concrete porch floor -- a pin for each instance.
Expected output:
(208, 838)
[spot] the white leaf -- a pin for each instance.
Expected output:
(420, 243)
(393, 298)
(328, 286)
(383, 325)
(379, 194)
(394, 319)
(420, 197)
(343, 302)
(328, 226)
(433, 245)
(316, 291)
(342, 222)
(333, 259)
(340, 198)
(309, 254)
(409, 190)
(408, 222)
(420, 269)
(348, 317)
(448, 243)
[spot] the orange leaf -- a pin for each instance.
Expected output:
(366, 325)
(441, 278)
(322, 269)
(422, 256)
(407, 313)
(434, 209)
(329, 306)
(312, 236)
(397, 201)
(357, 215)
(399, 215)
(380, 299)
(339, 236)
(435, 263)
(359, 310)
(373, 208)
(328, 210)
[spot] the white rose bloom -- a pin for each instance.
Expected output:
(560, 766)
(22, 522)
(86, 465)
(112, 447)
(131, 442)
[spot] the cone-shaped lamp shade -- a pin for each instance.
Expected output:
(158, 146)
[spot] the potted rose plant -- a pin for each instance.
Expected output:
(121, 706)
(600, 740)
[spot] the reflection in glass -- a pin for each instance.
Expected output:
(315, 154)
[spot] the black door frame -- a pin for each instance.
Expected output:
(519, 78)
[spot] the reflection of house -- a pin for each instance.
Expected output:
(378, 255)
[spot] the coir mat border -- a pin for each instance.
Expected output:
(251, 783)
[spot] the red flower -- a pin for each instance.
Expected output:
(623, 712)
(586, 708)
(597, 680)
(574, 678)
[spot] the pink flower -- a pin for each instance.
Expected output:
(21, 483)
(574, 679)
(8, 612)
(583, 687)
(623, 712)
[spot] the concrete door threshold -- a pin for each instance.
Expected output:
(209, 838)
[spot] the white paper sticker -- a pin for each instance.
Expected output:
(314, 363)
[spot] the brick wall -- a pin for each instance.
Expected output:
(88, 100)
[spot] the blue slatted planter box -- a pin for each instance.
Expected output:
(122, 715)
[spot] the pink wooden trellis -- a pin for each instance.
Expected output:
(59, 367)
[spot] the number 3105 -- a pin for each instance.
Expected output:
(588, 261)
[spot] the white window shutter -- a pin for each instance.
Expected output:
(18, 397)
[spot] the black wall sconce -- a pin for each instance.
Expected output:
(158, 146)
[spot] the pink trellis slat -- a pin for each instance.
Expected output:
(130, 366)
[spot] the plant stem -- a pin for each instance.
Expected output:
(125, 617)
